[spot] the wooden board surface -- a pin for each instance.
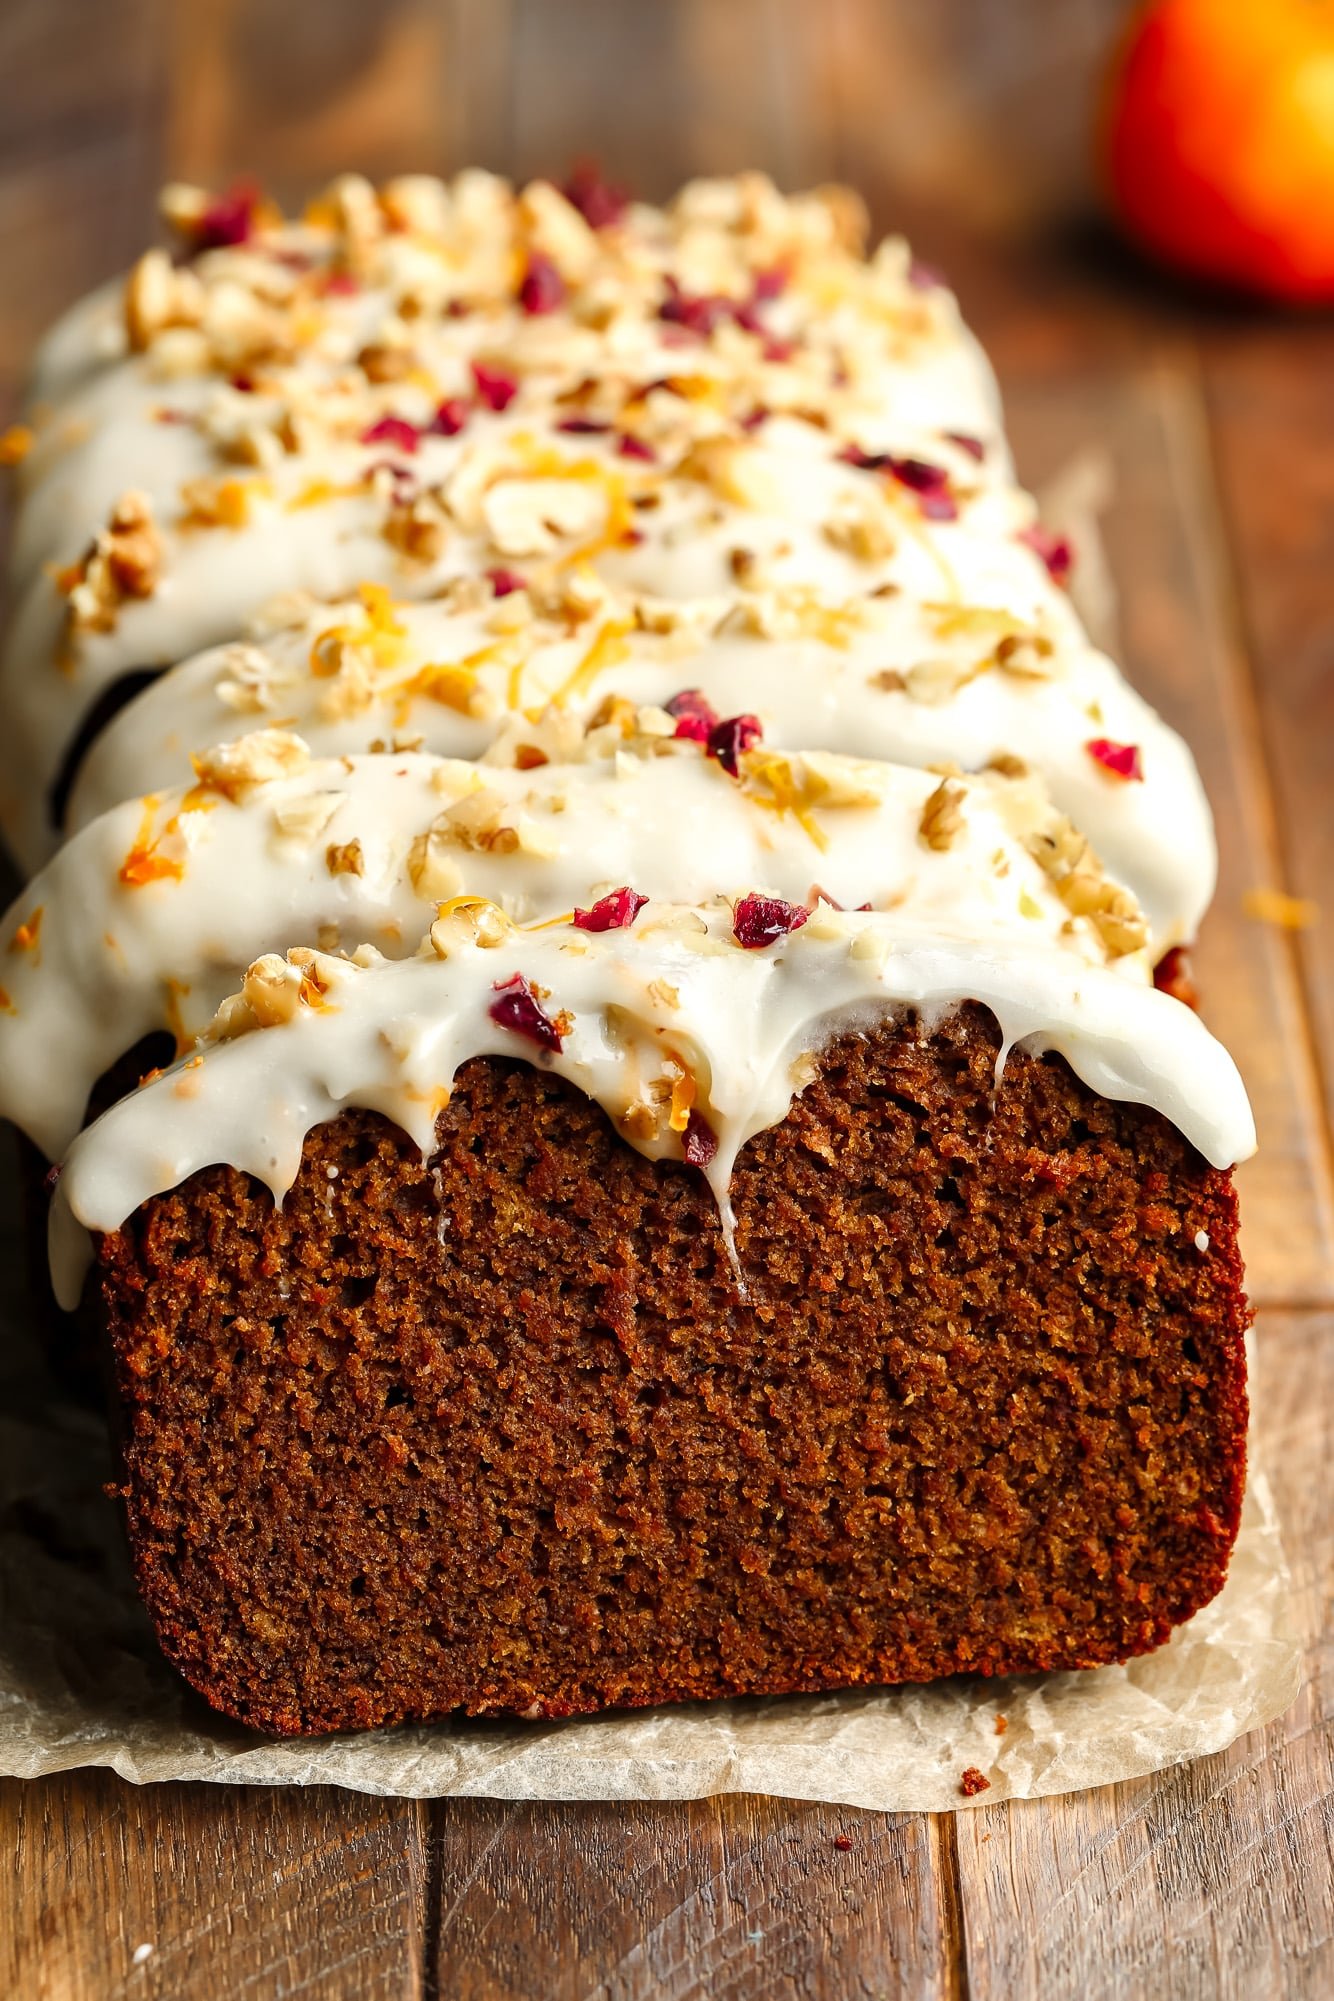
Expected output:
(1218, 428)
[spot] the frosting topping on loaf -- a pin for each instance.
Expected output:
(606, 636)
(381, 392)
(519, 678)
(270, 845)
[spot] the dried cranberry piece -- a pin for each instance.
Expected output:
(727, 740)
(968, 443)
(496, 388)
(1056, 551)
(779, 350)
(503, 581)
(450, 417)
(1122, 759)
(341, 285)
(772, 283)
(699, 1142)
(931, 484)
(229, 220)
(695, 714)
(615, 911)
(244, 383)
(853, 455)
(699, 313)
(754, 418)
(758, 921)
(583, 427)
(395, 431)
(597, 201)
(542, 289)
(1172, 975)
(517, 1007)
(631, 447)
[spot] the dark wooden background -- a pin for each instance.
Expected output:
(968, 121)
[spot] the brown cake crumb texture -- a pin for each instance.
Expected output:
(498, 1433)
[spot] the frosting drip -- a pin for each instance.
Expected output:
(671, 1025)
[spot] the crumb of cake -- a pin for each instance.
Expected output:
(973, 1782)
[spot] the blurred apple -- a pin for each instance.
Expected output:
(1218, 141)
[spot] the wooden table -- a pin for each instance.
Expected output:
(1210, 1881)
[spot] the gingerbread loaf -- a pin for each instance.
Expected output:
(677, 1179)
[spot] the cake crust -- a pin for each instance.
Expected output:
(497, 1433)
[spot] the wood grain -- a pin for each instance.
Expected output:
(1272, 423)
(723, 1898)
(235, 1891)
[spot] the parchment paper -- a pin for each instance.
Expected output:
(81, 1682)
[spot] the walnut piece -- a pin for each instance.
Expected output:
(942, 817)
(158, 295)
(124, 562)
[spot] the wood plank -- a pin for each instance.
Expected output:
(1273, 427)
(183, 1893)
(1216, 1880)
(725, 1899)
(80, 99)
(980, 113)
(293, 97)
(1182, 647)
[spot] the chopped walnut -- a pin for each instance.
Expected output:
(1084, 887)
(158, 295)
(555, 227)
(417, 204)
(246, 681)
(235, 769)
(1027, 655)
(305, 818)
(935, 682)
(386, 361)
(417, 527)
(359, 219)
(124, 562)
(479, 921)
(1007, 765)
(942, 817)
(861, 529)
(345, 858)
(432, 869)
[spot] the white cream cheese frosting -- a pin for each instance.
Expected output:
(377, 394)
(898, 678)
(148, 918)
(678, 1031)
(562, 623)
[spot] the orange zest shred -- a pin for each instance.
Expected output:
(15, 444)
(776, 773)
(609, 649)
(143, 863)
(26, 936)
(684, 1093)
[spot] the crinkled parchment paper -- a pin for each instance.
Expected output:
(81, 1682)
